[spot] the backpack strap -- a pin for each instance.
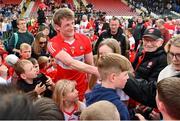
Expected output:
(16, 39)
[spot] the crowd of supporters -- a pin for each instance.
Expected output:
(157, 6)
(73, 63)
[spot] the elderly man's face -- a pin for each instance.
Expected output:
(151, 45)
(174, 54)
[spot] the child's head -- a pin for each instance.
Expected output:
(44, 29)
(113, 68)
(35, 63)
(129, 32)
(25, 69)
(43, 62)
(48, 110)
(109, 45)
(25, 51)
(101, 110)
(168, 94)
(65, 92)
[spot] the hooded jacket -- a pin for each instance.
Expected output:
(101, 93)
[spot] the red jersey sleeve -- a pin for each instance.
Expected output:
(53, 48)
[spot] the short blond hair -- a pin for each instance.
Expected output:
(101, 110)
(175, 41)
(42, 61)
(112, 63)
(24, 46)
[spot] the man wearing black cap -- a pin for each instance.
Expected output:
(150, 60)
(148, 63)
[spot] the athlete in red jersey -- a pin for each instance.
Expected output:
(72, 51)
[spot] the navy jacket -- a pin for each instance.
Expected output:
(101, 93)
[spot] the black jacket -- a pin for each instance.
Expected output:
(142, 91)
(151, 65)
(119, 37)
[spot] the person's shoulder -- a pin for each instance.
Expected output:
(81, 37)
(55, 38)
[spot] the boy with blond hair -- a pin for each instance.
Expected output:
(113, 69)
(25, 51)
(98, 111)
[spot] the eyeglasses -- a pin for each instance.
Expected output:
(149, 40)
(177, 55)
(42, 43)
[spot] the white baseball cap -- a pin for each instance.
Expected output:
(11, 59)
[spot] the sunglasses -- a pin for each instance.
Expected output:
(42, 43)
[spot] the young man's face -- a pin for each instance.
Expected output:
(121, 79)
(150, 44)
(25, 53)
(30, 71)
(174, 54)
(46, 31)
(67, 27)
(114, 25)
(22, 25)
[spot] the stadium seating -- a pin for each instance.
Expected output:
(112, 7)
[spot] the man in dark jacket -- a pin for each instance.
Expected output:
(115, 32)
(144, 91)
(150, 60)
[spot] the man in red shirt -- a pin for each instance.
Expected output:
(72, 51)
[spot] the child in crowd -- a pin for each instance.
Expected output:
(35, 64)
(48, 110)
(113, 69)
(47, 67)
(101, 110)
(66, 97)
(45, 30)
(25, 51)
(28, 81)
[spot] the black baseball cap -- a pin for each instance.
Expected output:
(153, 33)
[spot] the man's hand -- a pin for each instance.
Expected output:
(50, 83)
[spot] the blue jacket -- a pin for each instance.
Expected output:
(101, 93)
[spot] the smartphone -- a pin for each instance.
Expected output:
(41, 78)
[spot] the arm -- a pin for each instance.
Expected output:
(65, 58)
(141, 91)
(11, 43)
(89, 60)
